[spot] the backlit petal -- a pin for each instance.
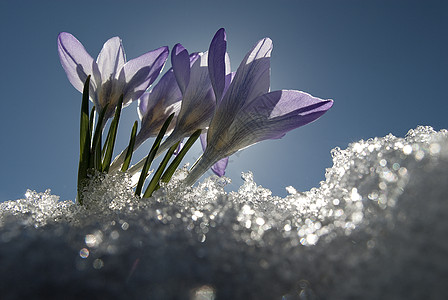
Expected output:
(216, 62)
(165, 91)
(181, 66)
(111, 59)
(75, 60)
(252, 77)
(139, 73)
(219, 168)
(250, 81)
(198, 103)
(273, 114)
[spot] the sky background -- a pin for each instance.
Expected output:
(384, 63)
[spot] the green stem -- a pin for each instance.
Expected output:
(130, 148)
(85, 135)
(173, 166)
(154, 183)
(111, 136)
(151, 155)
(96, 144)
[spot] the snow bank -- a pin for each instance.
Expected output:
(375, 229)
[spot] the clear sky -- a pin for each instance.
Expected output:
(384, 63)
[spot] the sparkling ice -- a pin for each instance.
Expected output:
(376, 228)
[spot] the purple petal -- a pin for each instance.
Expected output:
(181, 66)
(219, 168)
(203, 139)
(198, 102)
(273, 114)
(144, 105)
(75, 60)
(228, 81)
(252, 77)
(193, 57)
(216, 62)
(140, 73)
(155, 106)
(165, 93)
(199, 76)
(251, 80)
(111, 59)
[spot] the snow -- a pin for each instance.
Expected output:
(376, 228)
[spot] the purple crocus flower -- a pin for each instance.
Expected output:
(248, 113)
(198, 99)
(111, 74)
(155, 106)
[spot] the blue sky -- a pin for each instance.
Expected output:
(384, 63)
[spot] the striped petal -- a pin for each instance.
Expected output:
(111, 59)
(139, 73)
(75, 60)
(181, 66)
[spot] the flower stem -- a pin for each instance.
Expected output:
(85, 136)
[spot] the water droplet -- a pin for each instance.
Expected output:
(84, 253)
(98, 264)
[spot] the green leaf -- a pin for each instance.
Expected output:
(151, 155)
(111, 136)
(130, 148)
(154, 183)
(91, 120)
(173, 166)
(104, 148)
(84, 145)
(96, 144)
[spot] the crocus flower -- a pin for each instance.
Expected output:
(155, 106)
(111, 74)
(198, 99)
(248, 113)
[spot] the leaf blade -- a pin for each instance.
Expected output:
(111, 136)
(84, 141)
(130, 148)
(173, 166)
(151, 155)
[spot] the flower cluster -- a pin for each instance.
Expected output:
(198, 96)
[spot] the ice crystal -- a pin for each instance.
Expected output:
(374, 229)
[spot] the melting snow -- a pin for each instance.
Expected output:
(375, 229)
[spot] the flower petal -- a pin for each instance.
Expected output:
(139, 73)
(75, 60)
(219, 168)
(216, 62)
(155, 106)
(111, 59)
(181, 66)
(193, 57)
(165, 92)
(252, 77)
(198, 102)
(228, 81)
(273, 114)
(250, 81)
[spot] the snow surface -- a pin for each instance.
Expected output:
(375, 229)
